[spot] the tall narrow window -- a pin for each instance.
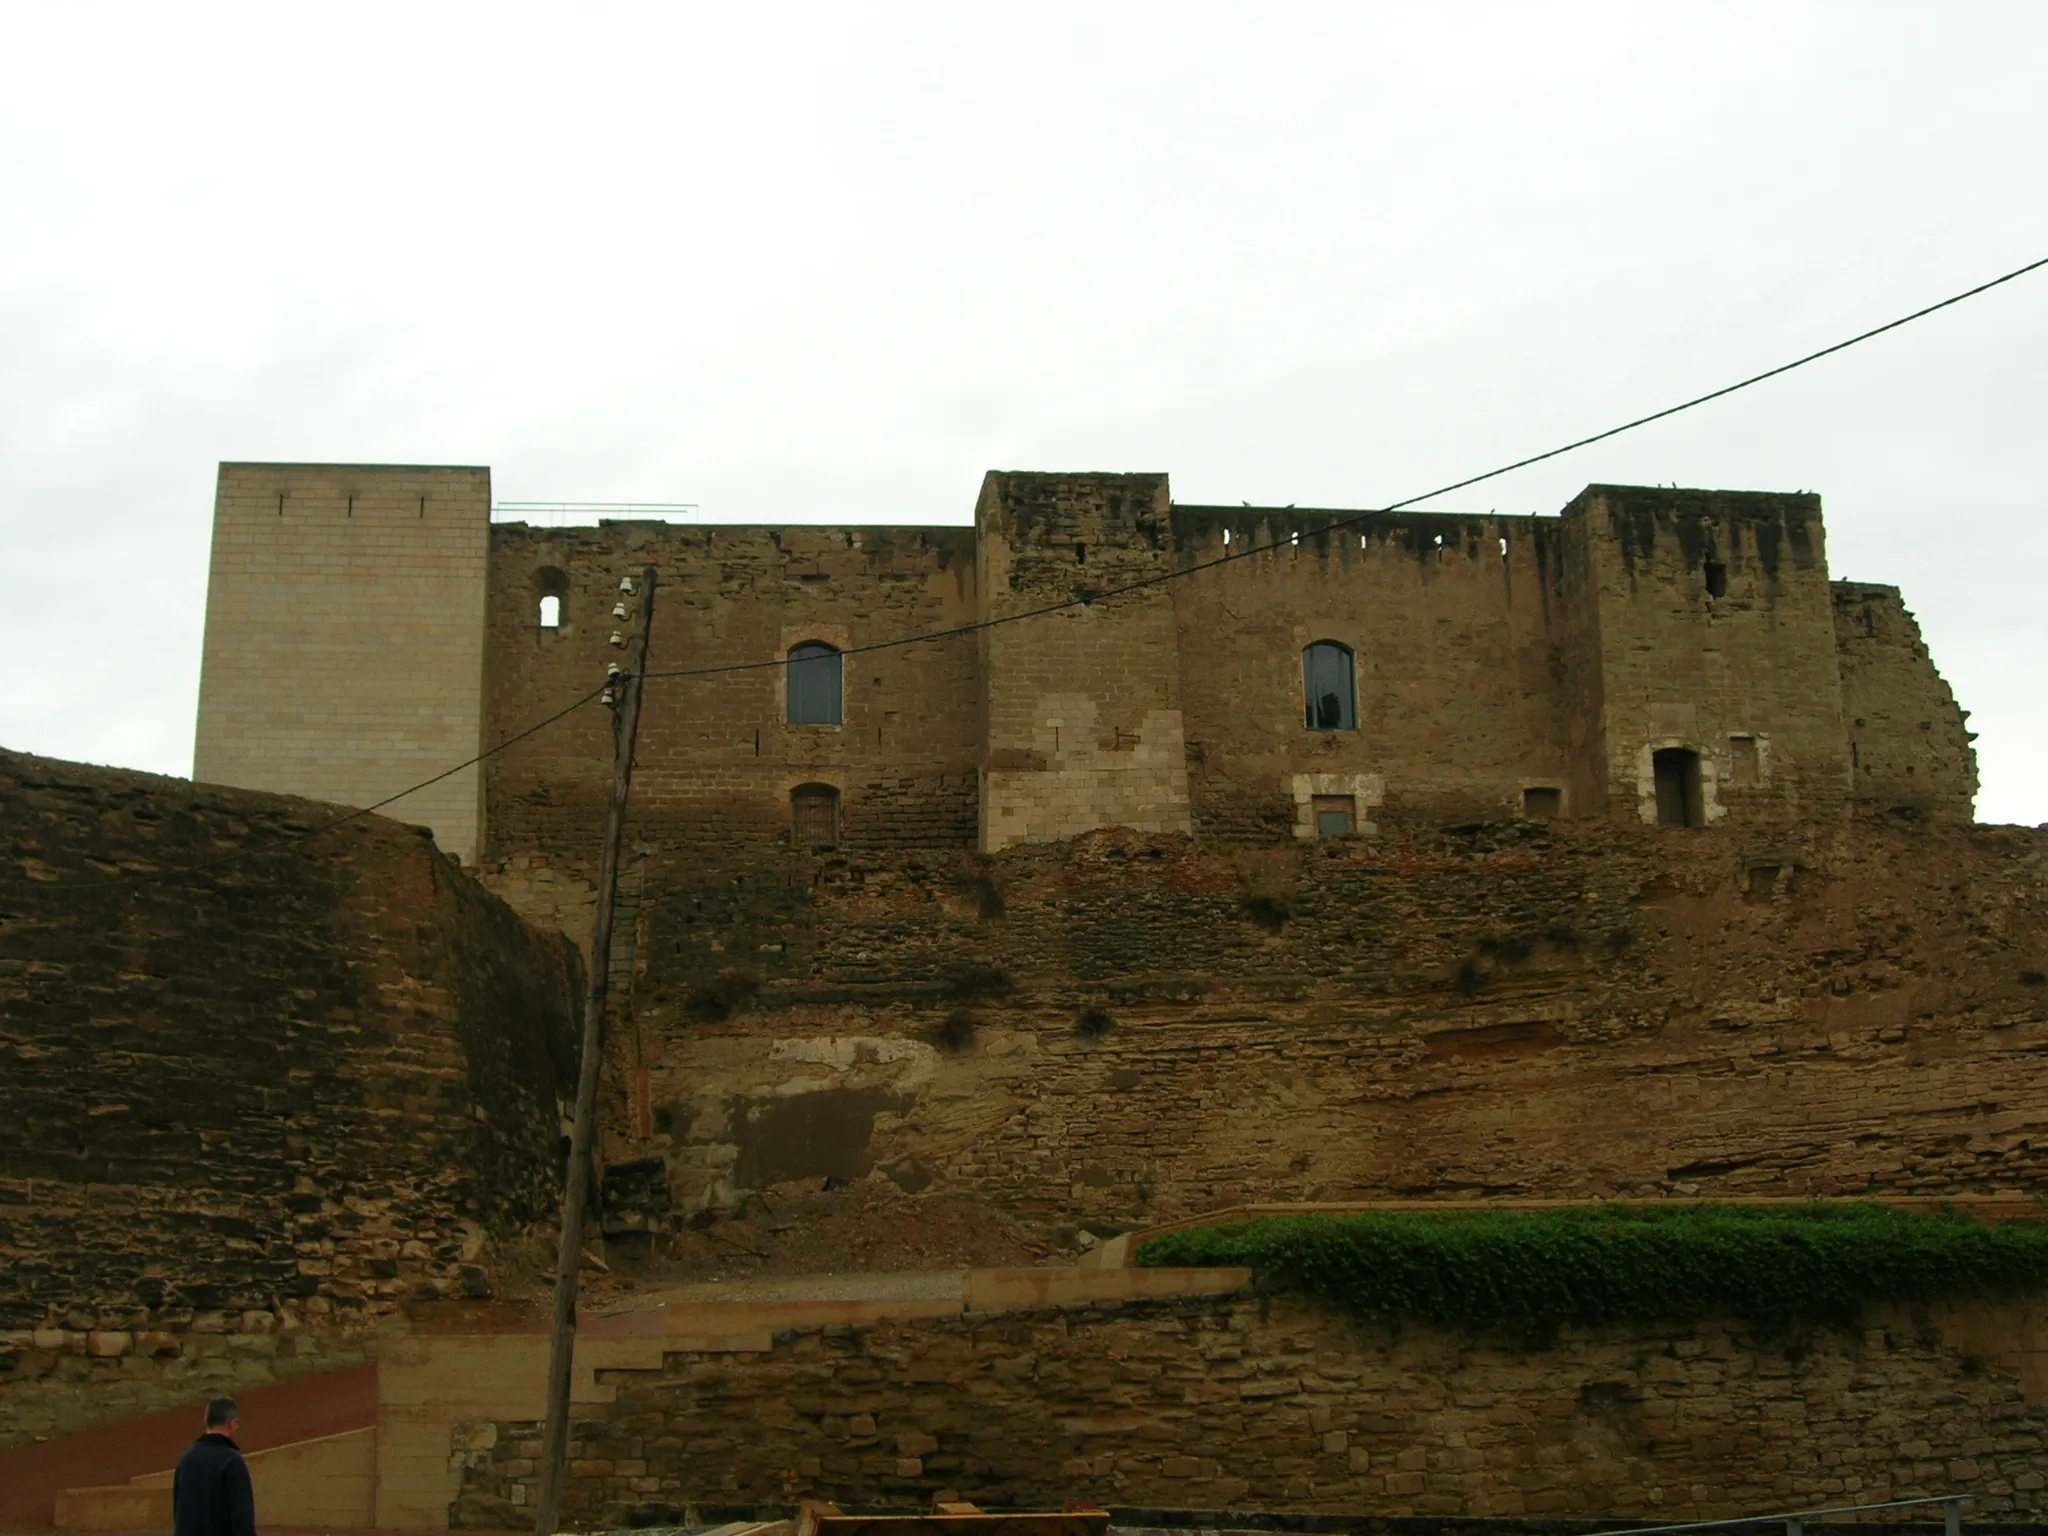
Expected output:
(551, 612)
(814, 815)
(814, 684)
(1326, 685)
(1677, 772)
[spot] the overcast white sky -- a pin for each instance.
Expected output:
(834, 262)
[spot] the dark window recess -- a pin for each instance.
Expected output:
(1327, 687)
(814, 815)
(1742, 752)
(814, 684)
(1677, 771)
(1542, 802)
(1080, 553)
(1717, 579)
(1334, 814)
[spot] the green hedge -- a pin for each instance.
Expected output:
(1772, 1265)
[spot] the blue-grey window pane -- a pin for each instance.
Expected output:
(1326, 682)
(1333, 823)
(813, 685)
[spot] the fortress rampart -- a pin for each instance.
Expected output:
(1648, 655)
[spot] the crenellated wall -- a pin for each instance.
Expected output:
(1716, 635)
(367, 628)
(1456, 626)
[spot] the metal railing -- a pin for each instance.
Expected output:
(1795, 1521)
(558, 514)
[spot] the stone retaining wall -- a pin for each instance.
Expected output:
(1247, 1403)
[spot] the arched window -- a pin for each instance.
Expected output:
(814, 815)
(814, 684)
(550, 590)
(1326, 687)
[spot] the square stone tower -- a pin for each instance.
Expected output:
(345, 635)
(1083, 705)
(1702, 668)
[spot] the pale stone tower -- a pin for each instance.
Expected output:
(345, 630)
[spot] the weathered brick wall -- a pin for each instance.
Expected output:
(1125, 1029)
(1277, 1405)
(1455, 628)
(1680, 666)
(718, 758)
(344, 650)
(1909, 743)
(246, 1112)
(1084, 725)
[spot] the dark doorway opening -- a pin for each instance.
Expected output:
(1677, 771)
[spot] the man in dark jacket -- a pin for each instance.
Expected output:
(210, 1492)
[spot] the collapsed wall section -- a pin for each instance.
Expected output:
(1910, 751)
(249, 1110)
(344, 649)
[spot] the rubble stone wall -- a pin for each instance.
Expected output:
(249, 1111)
(1273, 1404)
(1124, 1029)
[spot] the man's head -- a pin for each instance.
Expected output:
(223, 1417)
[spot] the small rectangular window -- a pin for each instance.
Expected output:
(1743, 750)
(1542, 802)
(1333, 814)
(814, 815)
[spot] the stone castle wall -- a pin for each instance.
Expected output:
(1456, 626)
(717, 753)
(368, 627)
(247, 1112)
(1273, 1404)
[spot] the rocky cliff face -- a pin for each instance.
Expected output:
(1123, 1029)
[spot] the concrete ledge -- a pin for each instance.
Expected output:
(122, 1507)
(998, 1290)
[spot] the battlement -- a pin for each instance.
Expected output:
(1650, 655)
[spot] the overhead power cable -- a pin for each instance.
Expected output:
(1085, 599)
(1082, 600)
(143, 876)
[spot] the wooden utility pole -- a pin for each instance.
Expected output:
(623, 695)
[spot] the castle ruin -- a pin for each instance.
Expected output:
(1648, 656)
